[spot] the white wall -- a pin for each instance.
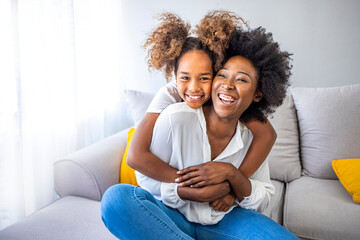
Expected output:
(323, 35)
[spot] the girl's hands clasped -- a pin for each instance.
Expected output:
(205, 174)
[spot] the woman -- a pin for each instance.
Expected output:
(252, 82)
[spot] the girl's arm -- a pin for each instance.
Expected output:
(141, 159)
(263, 140)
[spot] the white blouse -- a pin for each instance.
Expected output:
(179, 139)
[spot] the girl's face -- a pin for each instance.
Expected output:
(194, 78)
(235, 88)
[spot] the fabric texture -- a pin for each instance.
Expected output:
(329, 127)
(284, 158)
(90, 171)
(320, 209)
(127, 174)
(138, 102)
(124, 204)
(70, 218)
(180, 125)
(348, 172)
(166, 96)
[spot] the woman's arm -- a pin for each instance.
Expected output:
(141, 159)
(204, 194)
(263, 140)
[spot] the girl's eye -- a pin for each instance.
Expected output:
(204, 79)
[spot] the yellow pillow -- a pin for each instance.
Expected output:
(348, 172)
(127, 174)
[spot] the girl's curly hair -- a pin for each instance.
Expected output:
(272, 64)
(166, 42)
(215, 30)
(170, 40)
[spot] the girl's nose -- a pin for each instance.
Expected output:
(194, 86)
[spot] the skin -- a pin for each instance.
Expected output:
(145, 162)
(234, 89)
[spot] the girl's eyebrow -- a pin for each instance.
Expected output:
(201, 74)
(239, 72)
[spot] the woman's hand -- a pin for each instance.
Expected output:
(204, 194)
(224, 203)
(205, 174)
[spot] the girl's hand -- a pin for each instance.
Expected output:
(205, 174)
(224, 203)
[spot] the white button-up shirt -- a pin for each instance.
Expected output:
(180, 139)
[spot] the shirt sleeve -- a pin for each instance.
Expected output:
(166, 96)
(161, 146)
(261, 190)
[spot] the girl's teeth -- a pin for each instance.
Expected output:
(194, 97)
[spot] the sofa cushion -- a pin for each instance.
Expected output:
(138, 102)
(348, 172)
(329, 127)
(70, 218)
(284, 158)
(127, 174)
(275, 208)
(320, 209)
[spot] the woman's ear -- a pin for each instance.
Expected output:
(258, 96)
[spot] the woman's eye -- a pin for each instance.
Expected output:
(241, 80)
(221, 75)
(185, 78)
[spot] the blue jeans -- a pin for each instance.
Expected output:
(131, 212)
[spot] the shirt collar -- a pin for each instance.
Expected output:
(235, 143)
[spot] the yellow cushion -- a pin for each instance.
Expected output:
(348, 172)
(127, 174)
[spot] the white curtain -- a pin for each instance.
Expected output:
(60, 85)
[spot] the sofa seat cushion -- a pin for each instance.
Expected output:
(320, 209)
(70, 218)
(275, 208)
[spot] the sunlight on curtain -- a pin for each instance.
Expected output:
(60, 90)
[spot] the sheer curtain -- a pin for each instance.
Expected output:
(60, 85)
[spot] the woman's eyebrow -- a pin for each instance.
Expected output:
(244, 73)
(238, 72)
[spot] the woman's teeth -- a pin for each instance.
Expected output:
(226, 98)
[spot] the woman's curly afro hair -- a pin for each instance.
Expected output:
(272, 64)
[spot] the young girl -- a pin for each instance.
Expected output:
(252, 82)
(169, 46)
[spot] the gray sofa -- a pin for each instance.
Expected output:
(314, 127)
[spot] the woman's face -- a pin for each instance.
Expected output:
(194, 78)
(235, 88)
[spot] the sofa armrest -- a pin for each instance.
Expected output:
(88, 172)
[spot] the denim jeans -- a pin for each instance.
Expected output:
(131, 212)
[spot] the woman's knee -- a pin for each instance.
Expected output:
(114, 200)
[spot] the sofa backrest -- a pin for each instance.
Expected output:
(284, 158)
(329, 125)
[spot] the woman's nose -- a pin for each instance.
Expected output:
(228, 83)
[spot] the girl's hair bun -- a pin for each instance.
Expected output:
(165, 43)
(215, 30)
